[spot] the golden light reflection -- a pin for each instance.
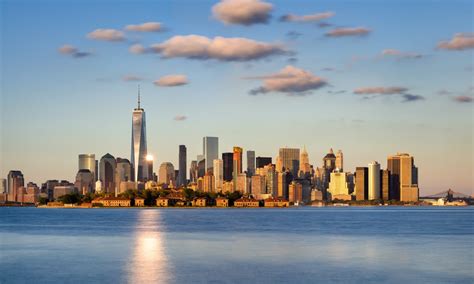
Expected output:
(149, 261)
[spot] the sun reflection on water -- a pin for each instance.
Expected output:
(149, 260)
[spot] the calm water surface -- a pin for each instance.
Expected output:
(296, 245)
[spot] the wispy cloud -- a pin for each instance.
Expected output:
(460, 41)
(131, 78)
(289, 80)
(180, 118)
(242, 12)
(172, 81)
(411, 98)
(145, 27)
(106, 35)
(372, 92)
(307, 18)
(341, 32)
(220, 48)
(70, 50)
(137, 49)
(395, 53)
(463, 99)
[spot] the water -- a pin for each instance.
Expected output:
(296, 245)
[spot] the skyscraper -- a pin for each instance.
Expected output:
(404, 177)
(87, 162)
(305, 167)
(237, 164)
(85, 182)
(250, 163)
(339, 161)
(210, 150)
(15, 180)
(385, 183)
(290, 159)
(228, 164)
(362, 183)
(393, 165)
(339, 187)
(123, 172)
(166, 174)
(139, 149)
(218, 174)
(182, 166)
(263, 161)
(374, 181)
(329, 161)
(193, 171)
(149, 165)
(107, 173)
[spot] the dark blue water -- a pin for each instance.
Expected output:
(296, 245)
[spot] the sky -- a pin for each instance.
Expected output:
(371, 78)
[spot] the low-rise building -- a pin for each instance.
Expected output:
(139, 202)
(276, 202)
(162, 202)
(199, 202)
(222, 202)
(246, 202)
(112, 201)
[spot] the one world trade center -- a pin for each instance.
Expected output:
(139, 151)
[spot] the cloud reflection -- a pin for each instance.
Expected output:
(149, 260)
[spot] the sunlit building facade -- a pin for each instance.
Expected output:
(139, 147)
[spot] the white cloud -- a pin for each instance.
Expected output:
(137, 49)
(290, 80)
(242, 12)
(171, 81)
(145, 27)
(380, 90)
(106, 35)
(460, 41)
(307, 18)
(221, 48)
(340, 32)
(68, 49)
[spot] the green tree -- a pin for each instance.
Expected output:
(70, 198)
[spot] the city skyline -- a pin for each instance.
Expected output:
(66, 105)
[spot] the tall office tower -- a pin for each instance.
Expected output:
(305, 167)
(96, 170)
(208, 182)
(339, 161)
(3, 185)
(15, 181)
(210, 150)
(243, 183)
(250, 163)
(85, 182)
(88, 162)
(237, 165)
(295, 192)
(182, 181)
(290, 158)
(282, 185)
(193, 171)
(228, 161)
(201, 163)
(107, 173)
(385, 183)
(218, 174)
(404, 174)
(329, 161)
(123, 172)
(258, 186)
(271, 179)
(139, 150)
(149, 165)
(362, 183)
(350, 181)
(166, 174)
(279, 164)
(338, 186)
(374, 181)
(263, 161)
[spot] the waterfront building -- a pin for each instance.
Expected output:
(112, 201)
(276, 202)
(139, 202)
(403, 174)
(374, 181)
(362, 183)
(88, 162)
(339, 161)
(295, 192)
(263, 161)
(182, 179)
(228, 165)
(409, 193)
(246, 202)
(228, 186)
(193, 172)
(338, 185)
(222, 202)
(15, 180)
(385, 183)
(85, 181)
(316, 195)
(305, 167)
(290, 158)
(250, 163)
(210, 146)
(166, 174)
(107, 173)
(199, 202)
(218, 166)
(139, 144)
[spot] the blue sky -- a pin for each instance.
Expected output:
(55, 106)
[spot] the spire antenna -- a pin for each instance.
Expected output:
(138, 96)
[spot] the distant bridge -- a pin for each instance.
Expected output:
(444, 194)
